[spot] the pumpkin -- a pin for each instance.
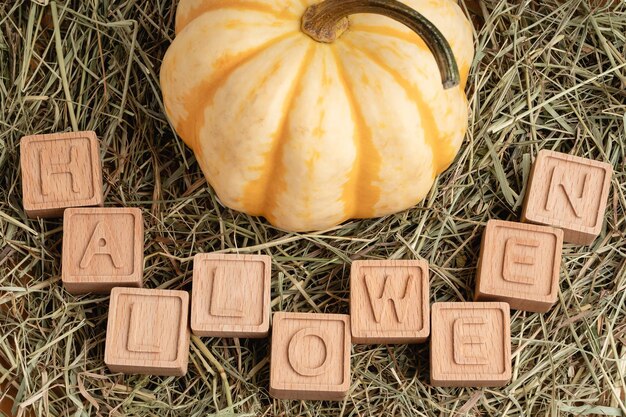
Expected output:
(311, 112)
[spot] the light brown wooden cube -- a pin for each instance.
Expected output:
(148, 332)
(470, 345)
(310, 356)
(389, 301)
(519, 264)
(59, 171)
(570, 193)
(102, 249)
(231, 295)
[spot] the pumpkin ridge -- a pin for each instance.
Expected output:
(361, 195)
(203, 95)
(440, 149)
(274, 179)
(214, 5)
(410, 37)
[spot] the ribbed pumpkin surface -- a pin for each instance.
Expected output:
(309, 134)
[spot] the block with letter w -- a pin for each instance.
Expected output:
(389, 301)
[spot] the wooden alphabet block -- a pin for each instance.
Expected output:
(520, 264)
(60, 171)
(148, 332)
(570, 193)
(102, 249)
(310, 356)
(231, 295)
(470, 345)
(389, 301)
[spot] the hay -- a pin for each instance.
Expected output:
(548, 74)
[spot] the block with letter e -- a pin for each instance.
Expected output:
(60, 171)
(389, 301)
(102, 249)
(570, 193)
(148, 332)
(470, 345)
(231, 295)
(310, 356)
(519, 264)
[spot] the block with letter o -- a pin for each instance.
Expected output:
(310, 356)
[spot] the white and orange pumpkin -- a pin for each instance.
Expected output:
(310, 121)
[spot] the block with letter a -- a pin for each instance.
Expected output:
(310, 356)
(470, 345)
(570, 193)
(102, 249)
(147, 332)
(60, 171)
(231, 295)
(389, 301)
(519, 264)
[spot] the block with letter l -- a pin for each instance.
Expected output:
(231, 295)
(470, 345)
(519, 264)
(148, 332)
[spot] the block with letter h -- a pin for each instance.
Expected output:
(102, 249)
(470, 345)
(570, 193)
(148, 332)
(60, 171)
(231, 295)
(519, 264)
(389, 301)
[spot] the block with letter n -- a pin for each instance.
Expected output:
(519, 264)
(389, 301)
(570, 193)
(60, 171)
(470, 345)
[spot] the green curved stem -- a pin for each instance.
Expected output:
(327, 20)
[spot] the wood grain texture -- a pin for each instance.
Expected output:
(102, 249)
(470, 345)
(570, 193)
(148, 332)
(60, 170)
(231, 295)
(310, 356)
(519, 264)
(389, 301)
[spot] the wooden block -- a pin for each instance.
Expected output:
(59, 171)
(148, 332)
(470, 345)
(389, 301)
(310, 356)
(570, 193)
(102, 249)
(231, 295)
(520, 264)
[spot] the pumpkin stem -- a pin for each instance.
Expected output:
(326, 21)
